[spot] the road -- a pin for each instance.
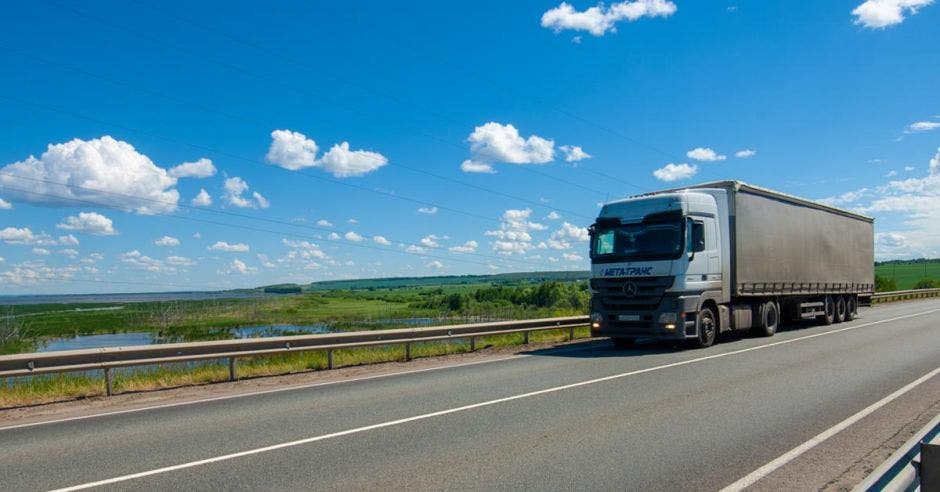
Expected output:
(583, 416)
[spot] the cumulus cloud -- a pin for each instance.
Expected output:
(180, 261)
(467, 247)
(472, 166)
(553, 215)
(705, 154)
(5, 205)
(41, 252)
(601, 18)
(89, 223)
(105, 171)
(25, 236)
(572, 257)
(514, 233)
(437, 265)
(494, 142)
(353, 236)
(430, 241)
(293, 150)
(415, 249)
(381, 240)
(572, 232)
(574, 153)
(71, 253)
(744, 154)
(674, 172)
(202, 199)
(68, 240)
(167, 241)
(202, 168)
(265, 261)
(324, 223)
(239, 267)
(235, 188)
(428, 210)
(879, 14)
(303, 250)
(922, 126)
(139, 261)
(230, 248)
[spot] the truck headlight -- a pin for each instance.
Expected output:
(667, 318)
(596, 319)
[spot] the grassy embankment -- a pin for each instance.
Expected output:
(202, 320)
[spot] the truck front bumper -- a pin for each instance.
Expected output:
(674, 319)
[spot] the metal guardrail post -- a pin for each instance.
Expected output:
(570, 334)
(473, 344)
(232, 369)
(525, 338)
(108, 384)
(329, 359)
(408, 351)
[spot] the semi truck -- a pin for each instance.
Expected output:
(691, 263)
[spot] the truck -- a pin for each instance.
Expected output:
(692, 263)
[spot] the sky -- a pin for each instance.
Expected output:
(163, 146)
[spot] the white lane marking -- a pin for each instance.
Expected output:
(464, 408)
(288, 388)
(794, 453)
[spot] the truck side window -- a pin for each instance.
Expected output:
(698, 236)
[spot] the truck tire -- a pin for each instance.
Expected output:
(829, 306)
(851, 308)
(706, 329)
(622, 342)
(840, 310)
(770, 320)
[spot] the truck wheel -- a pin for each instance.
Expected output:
(622, 342)
(771, 320)
(707, 329)
(851, 307)
(830, 312)
(840, 310)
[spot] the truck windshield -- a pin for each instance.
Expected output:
(647, 241)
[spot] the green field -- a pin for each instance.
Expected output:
(907, 273)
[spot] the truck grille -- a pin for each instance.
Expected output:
(614, 294)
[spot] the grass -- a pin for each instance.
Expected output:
(907, 274)
(58, 387)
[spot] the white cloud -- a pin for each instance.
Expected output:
(430, 241)
(412, 248)
(68, 240)
(745, 153)
(514, 233)
(892, 173)
(600, 19)
(197, 235)
(105, 171)
(202, 199)
(574, 153)
(878, 14)
(705, 154)
(71, 253)
(239, 267)
(41, 251)
(5, 205)
(572, 257)
(381, 240)
(553, 215)
(230, 248)
(324, 223)
(673, 172)
(428, 210)
(235, 187)
(502, 143)
(353, 236)
(304, 250)
(352, 221)
(437, 265)
(908, 168)
(293, 150)
(572, 232)
(265, 261)
(472, 166)
(140, 261)
(467, 247)
(202, 168)
(334, 236)
(935, 164)
(89, 223)
(922, 126)
(180, 261)
(167, 241)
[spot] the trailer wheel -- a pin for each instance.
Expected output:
(840, 310)
(771, 320)
(851, 308)
(706, 327)
(622, 342)
(830, 312)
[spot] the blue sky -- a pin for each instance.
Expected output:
(556, 107)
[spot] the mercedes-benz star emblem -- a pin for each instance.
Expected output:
(629, 289)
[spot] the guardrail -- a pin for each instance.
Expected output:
(915, 464)
(902, 295)
(106, 359)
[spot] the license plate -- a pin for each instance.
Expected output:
(628, 317)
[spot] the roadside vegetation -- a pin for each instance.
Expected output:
(907, 274)
(23, 328)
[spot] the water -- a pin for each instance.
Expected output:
(149, 338)
(130, 297)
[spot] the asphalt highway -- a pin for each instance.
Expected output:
(585, 416)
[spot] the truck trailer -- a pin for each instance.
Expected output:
(691, 263)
